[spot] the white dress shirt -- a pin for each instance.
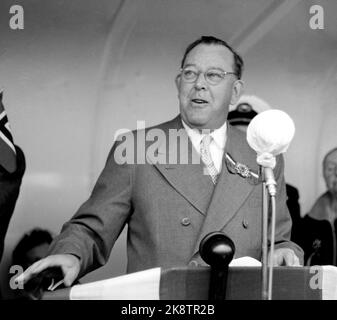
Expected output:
(217, 145)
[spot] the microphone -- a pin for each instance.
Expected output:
(269, 134)
(217, 250)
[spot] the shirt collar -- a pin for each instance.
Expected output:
(219, 135)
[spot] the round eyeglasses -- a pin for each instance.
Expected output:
(212, 76)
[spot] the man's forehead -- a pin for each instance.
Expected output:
(212, 55)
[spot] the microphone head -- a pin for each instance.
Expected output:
(216, 249)
(270, 132)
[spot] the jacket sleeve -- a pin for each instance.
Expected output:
(9, 191)
(93, 230)
(283, 223)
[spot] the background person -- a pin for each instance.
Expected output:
(10, 184)
(12, 169)
(32, 247)
(319, 225)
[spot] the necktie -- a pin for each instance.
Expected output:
(207, 158)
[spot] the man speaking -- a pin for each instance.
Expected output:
(171, 205)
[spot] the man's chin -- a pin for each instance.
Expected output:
(196, 123)
(203, 123)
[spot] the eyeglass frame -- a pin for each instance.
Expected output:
(223, 74)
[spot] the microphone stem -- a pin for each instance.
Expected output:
(271, 252)
(264, 243)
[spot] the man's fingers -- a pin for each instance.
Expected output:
(285, 257)
(28, 273)
(296, 261)
(291, 259)
(37, 267)
(288, 258)
(277, 259)
(69, 264)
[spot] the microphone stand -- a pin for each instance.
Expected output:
(271, 253)
(264, 242)
(267, 279)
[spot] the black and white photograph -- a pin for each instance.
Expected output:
(168, 150)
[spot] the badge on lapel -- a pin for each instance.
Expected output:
(242, 170)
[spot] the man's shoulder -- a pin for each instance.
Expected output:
(137, 146)
(238, 147)
(174, 123)
(164, 127)
(237, 134)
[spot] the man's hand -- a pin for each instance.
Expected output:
(69, 264)
(285, 257)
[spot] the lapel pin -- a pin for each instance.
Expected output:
(241, 169)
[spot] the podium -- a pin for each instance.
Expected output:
(185, 283)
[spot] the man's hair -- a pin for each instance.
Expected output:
(29, 241)
(328, 154)
(209, 40)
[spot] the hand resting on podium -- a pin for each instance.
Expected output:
(285, 257)
(69, 264)
(282, 257)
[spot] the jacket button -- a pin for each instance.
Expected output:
(185, 222)
(193, 263)
(245, 223)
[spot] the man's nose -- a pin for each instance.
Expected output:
(200, 82)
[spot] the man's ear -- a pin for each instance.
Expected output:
(237, 91)
(177, 80)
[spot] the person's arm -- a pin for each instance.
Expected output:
(93, 230)
(9, 191)
(86, 240)
(286, 251)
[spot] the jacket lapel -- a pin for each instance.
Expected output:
(186, 178)
(232, 190)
